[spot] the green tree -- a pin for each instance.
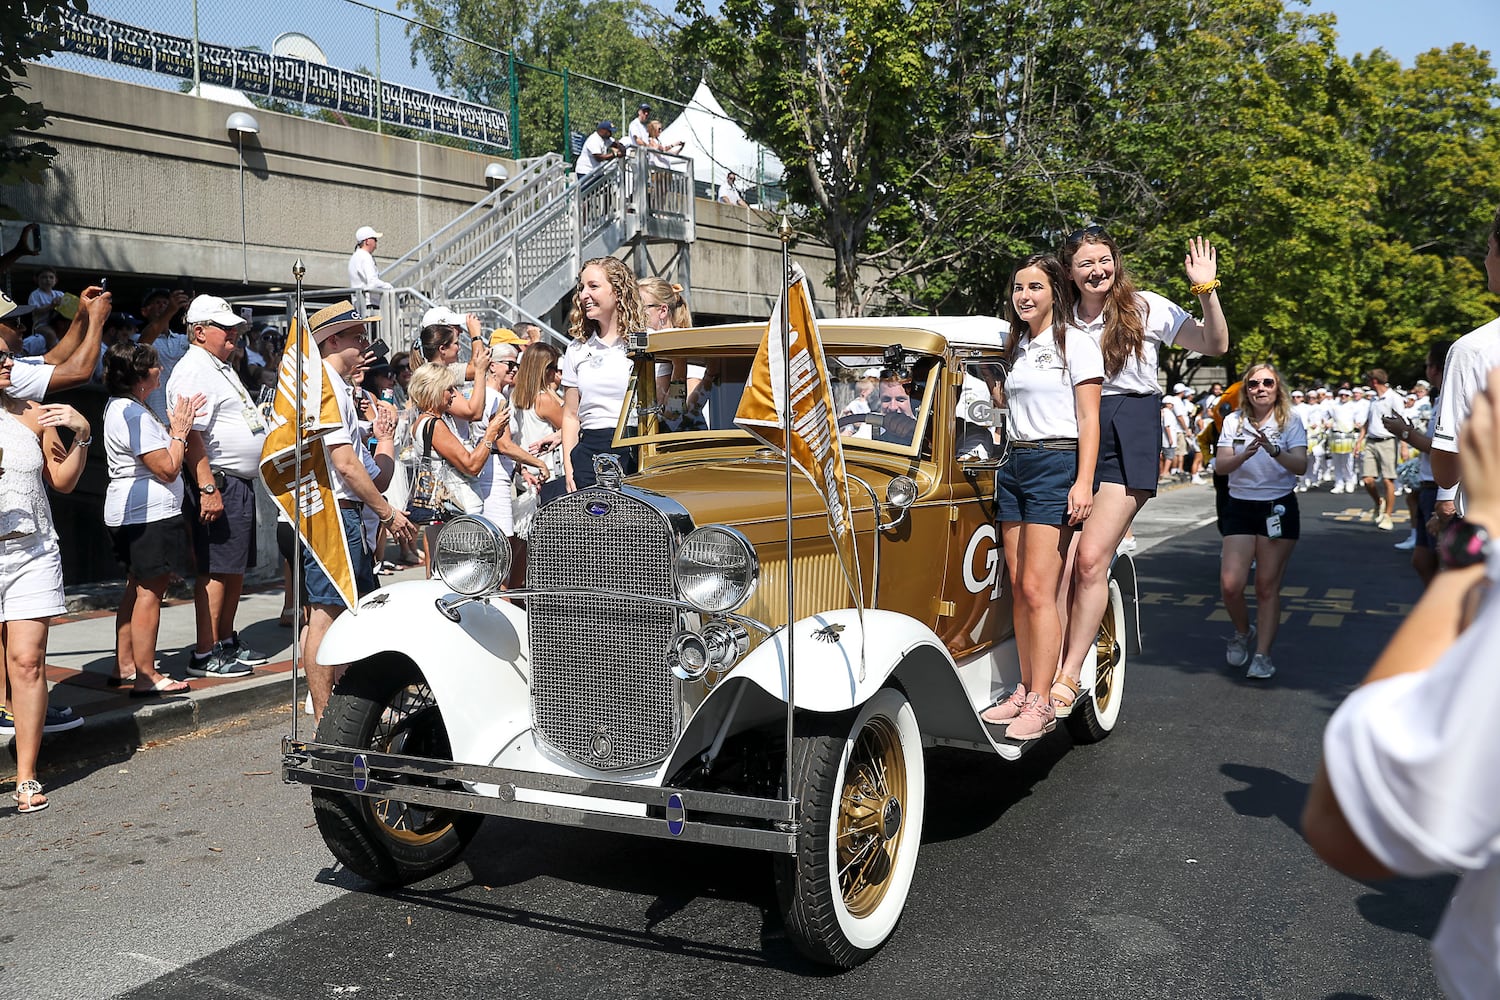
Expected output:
(23, 158)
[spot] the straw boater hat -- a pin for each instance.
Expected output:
(335, 319)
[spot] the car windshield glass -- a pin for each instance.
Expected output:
(699, 396)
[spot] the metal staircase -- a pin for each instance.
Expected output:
(517, 252)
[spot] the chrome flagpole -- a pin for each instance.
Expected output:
(785, 232)
(298, 271)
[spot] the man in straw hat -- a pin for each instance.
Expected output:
(342, 335)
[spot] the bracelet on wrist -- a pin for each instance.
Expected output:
(1204, 287)
(390, 517)
(83, 442)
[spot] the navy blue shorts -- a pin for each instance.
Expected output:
(151, 550)
(226, 545)
(315, 583)
(591, 443)
(1130, 442)
(1033, 486)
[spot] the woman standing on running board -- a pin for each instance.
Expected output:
(1130, 328)
(596, 370)
(1262, 449)
(1046, 490)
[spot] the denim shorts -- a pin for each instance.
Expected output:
(1033, 486)
(315, 583)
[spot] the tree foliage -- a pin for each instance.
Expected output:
(23, 157)
(933, 145)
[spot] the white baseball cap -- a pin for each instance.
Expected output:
(441, 316)
(211, 309)
(366, 233)
(1182, 387)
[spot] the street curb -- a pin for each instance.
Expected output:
(117, 735)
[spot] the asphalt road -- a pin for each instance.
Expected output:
(1163, 862)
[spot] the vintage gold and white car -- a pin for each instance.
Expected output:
(639, 682)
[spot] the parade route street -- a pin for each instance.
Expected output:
(1163, 862)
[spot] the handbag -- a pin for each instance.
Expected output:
(429, 501)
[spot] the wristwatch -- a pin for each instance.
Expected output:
(210, 488)
(1462, 543)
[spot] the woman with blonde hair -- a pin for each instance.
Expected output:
(666, 309)
(596, 369)
(1262, 449)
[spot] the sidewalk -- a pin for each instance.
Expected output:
(81, 654)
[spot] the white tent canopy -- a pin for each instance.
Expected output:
(718, 145)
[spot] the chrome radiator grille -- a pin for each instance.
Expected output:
(600, 689)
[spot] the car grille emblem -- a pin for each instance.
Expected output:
(601, 746)
(596, 508)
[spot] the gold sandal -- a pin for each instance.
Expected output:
(1062, 704)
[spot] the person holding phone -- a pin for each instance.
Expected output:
(1262, 449)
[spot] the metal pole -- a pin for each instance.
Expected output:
(515, 109)
(297, 272)
(785, 232)
(378, 87)
(197, 89)
(239, 141)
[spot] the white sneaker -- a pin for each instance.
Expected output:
(1409, 544)
(1126, 545)
(1383, 522)
(1261, 667)
(1197, 479)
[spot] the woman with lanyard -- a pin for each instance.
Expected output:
(1130, 327)
(596, 369)
(1046, 490)
(143, 508)
(32, 457)
(1262, 449)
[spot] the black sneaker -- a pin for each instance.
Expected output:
(59, 720)
(246, 655)
(218, 663)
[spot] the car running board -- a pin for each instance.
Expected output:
(1006, 747)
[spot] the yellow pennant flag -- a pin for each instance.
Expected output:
(322, 531)
(814, 447)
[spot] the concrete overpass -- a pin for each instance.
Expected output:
(147, 183)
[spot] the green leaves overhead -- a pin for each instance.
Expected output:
(933, 145)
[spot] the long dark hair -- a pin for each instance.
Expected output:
(1124, 312)
(1062, 304)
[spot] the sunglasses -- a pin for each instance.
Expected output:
(1257, 383)
(8, 357)
(1078, 236)
(511, 365)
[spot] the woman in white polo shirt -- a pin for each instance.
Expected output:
(1046, 491)
(596, 369)
(1262, 449)
(1131, 327)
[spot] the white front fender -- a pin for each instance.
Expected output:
(477, 667)
(840, 663)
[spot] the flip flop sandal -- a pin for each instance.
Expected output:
(30, 788)
(165, 686)
(1062, 704)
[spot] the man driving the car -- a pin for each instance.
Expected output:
(893, 403)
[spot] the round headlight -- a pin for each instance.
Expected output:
(716, 569)
(901, 492)
(473, 556)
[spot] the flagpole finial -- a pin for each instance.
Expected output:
(785, 229)
(297, 269)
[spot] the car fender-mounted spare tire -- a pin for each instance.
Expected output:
(861, 781)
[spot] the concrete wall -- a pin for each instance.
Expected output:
(147, 181)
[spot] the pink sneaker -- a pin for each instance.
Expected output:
(1006, 709)
(1037, 719)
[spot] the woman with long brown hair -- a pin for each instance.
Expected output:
(1262, 449)
(1046, 490)
(596, 369)
(1130, 326)
(538, 406)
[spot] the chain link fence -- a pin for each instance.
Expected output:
(348, 62)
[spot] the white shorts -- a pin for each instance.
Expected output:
(31, 580)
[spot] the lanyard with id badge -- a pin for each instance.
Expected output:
(251, 413)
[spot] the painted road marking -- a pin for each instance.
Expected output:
(1327, 611)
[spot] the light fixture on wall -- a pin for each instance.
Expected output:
(495, 175)
(241, 124)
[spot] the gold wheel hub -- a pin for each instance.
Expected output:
(871, 816)
(394, 731)
(1106, 658)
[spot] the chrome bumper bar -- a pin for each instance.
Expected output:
(684, 814)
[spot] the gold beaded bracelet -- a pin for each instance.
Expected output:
(1204, 287)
